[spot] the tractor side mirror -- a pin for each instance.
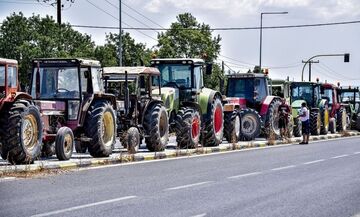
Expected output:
(209, 67)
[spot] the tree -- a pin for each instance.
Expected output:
(133, 53)
(188, 38)
(24, 38)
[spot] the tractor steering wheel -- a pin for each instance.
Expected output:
(171, 84)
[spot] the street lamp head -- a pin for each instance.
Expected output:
(346, 57)
(281, 12)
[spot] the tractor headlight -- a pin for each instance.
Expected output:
(73, 109)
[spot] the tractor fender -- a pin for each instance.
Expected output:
(10, 98)
(266, 103)
(206, 99)
(193, 105)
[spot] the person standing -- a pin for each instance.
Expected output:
(284, 111)
(304, 117)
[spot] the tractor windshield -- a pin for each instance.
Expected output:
(328, 94)
(175, 75)
(243, 88)
(350, 96)
(306, 92)
(2, 76)
(56, 82)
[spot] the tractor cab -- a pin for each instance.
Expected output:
(8, 77)
(250, 88)
(304, 91)
(331, 93)
(350, 95)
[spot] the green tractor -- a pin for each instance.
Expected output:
(298, 92)
(350, 97)
(195, 112)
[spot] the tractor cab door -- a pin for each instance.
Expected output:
(11, 78)
(260, 89)
(2, 81)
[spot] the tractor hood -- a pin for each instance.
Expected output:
(170, 97)
(236, 101)
(51, 107)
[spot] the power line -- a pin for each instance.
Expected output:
(18, 2)
(129, 28)
(229, 28)
(136, 11)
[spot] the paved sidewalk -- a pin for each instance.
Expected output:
(121, 156)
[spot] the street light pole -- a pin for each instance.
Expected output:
(345, 55)
(120, 34)
(261, 20)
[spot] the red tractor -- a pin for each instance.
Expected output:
(20, 120)
(74, 106)
(249, 102)
(338, 118)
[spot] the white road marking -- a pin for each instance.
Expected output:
(358, 152)
(200, 215)
(340, 156)
(83, 206)
(283, 168)
(187, 186)
(244, 175)
(313, 162)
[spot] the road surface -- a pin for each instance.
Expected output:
(319, 179)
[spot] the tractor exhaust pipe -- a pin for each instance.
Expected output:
(126, 102)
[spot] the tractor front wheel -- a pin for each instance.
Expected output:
(20, 132)
(250, 124)
(132, 139)
(187, 127)
(272, 120)
(100, 126)
(64, 143)
(232, 126)
(324, 121)
(332, 125)
(156, 127)
(213, 127)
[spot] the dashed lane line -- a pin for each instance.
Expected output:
(340, 156)
(188, 186)
(83, 206)
(283, 168)
(358, 152)
(200, 215)
(244, 175)
(313, 162)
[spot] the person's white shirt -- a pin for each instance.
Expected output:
(305, 111)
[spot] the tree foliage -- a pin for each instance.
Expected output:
(24, 38)
(132, 53)
(190, 39)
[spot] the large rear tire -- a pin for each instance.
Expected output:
(214, 125)
(156, 127)
(324, 121)
(232, 123)
(341, 120)
(272, 120)
(250, 124)
(187, 127)
(315, 123)
(100, 126)
(297, 127)
(20, 132)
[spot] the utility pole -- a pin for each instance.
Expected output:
(310, 62)
(58, 3)
(120, 34)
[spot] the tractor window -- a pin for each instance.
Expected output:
(2, 75)
(84, 73)
(11, 77)
(175, 75)
(198, 77)
(62, 83)
(243, 88)
(302, 92)
(328, 93)
(96, 80)
(260, 91)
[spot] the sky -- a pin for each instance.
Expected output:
(283, 49)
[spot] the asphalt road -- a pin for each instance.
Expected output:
(319, 179)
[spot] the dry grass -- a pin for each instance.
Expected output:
(345, 133)
(33, 174)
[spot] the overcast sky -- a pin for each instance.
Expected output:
(283, 49)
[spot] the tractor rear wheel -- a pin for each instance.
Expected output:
(332, 125)
(315, 123)
(250, 124)
(232, 126)
(324, 121)
(100, 126)
(20, 132)
(297, 127)
(156, 127)
(64, 143)
(187, 127)
(272, 120)
(341, 120)
(213, 127)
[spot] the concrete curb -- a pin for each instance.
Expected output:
(126, 158)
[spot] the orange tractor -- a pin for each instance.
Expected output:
(20, 120)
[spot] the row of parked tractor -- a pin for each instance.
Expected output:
(76, 103)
